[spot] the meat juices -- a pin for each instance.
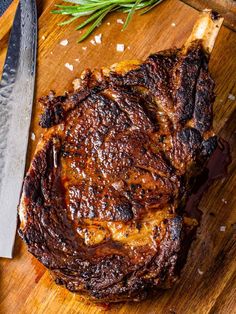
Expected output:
(103, 203)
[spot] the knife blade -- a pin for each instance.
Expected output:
(4, 6)
(16, 98)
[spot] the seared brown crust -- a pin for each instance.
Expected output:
(102, 204)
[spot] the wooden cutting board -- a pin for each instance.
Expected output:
(208, 281)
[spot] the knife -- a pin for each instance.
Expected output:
(16, 98)
(4, 5)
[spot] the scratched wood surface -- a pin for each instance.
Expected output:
(208, 281)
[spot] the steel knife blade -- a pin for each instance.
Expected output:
(16, 98)
(4, 4)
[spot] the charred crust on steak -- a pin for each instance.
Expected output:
(102, 203)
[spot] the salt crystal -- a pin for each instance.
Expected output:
(84, 48)
(120, 21)
(32, 136)
(108, 23)
(98, 39)
(51, 53)
(200, 271)
(43, 37)
(69, 66)
(222, 228)
(173, 24)
(120, 47)
(64, 42)
(231, 97)
(93, 42)
(224, 201)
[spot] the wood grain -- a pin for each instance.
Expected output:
(25, 285)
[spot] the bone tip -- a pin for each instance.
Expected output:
(215, 16)
(206, 29)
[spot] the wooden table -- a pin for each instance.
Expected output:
(208, 281)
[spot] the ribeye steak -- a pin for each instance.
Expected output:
(103, 201)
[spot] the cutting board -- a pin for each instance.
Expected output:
(208, 281)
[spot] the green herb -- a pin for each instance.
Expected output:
(98, 9)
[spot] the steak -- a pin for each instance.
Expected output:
(103, 201)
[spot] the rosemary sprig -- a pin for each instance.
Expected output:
(98, 9)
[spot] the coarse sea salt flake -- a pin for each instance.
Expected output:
(64, 42)
(200, 271)
(231, 97)
(93, 42)
(120, 47)
(69, 66)
(98, 39)
(120, 21)
(84, 48)
(222, 228)
(224, 201)
(173, 24)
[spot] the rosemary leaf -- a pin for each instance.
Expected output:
(131, 12)
(96, 23)
(151, 7)
(91, 18)
(98, 9)
(68, 21)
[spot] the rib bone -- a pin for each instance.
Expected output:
(206, 28)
